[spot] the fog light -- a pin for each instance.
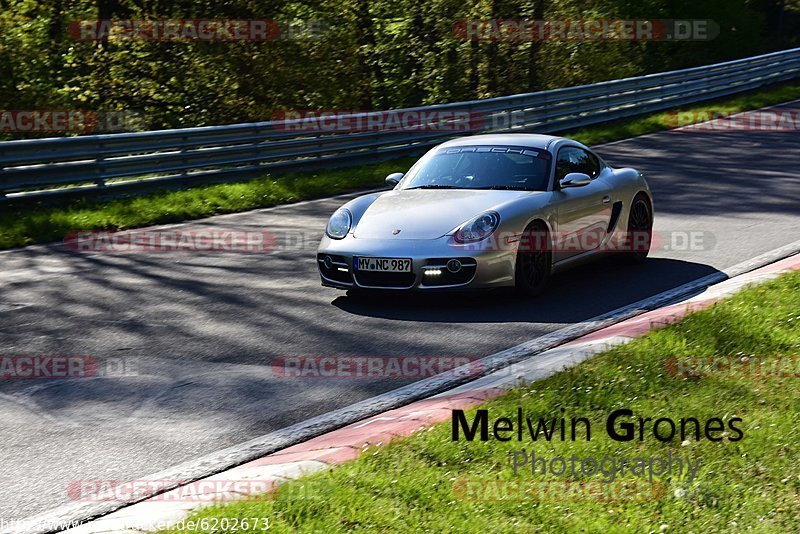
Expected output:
(328, 261)
(453, 266)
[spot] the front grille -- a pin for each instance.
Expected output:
(335, 272)
(379, 279)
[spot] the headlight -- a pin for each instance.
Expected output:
(339, 224)
(478, 228)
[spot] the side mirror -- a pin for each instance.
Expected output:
(394, 178)
(575, 179)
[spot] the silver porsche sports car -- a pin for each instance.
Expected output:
(488, 211)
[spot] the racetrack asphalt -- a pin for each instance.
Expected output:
(197, 331)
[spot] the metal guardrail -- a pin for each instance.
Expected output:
(138, 162)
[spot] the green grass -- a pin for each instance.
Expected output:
(752, 484)
(39, 224)
(25, 226)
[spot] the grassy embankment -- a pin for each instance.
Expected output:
(429, 483)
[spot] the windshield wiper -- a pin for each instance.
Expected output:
(433, 186)
(506, 187)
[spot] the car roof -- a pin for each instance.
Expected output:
(526, 140)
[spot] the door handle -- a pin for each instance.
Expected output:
(606, 199)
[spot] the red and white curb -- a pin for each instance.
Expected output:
(348, 442)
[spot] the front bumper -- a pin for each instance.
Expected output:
(482, 267)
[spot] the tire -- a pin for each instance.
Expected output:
(534, 260)
(640, 229)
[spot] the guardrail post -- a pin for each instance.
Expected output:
(184, 141)
(100, 181)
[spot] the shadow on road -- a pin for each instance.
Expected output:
(726, 174)
(572, 296)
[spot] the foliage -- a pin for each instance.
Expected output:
(374, 54)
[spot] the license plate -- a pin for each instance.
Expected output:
(384, 265)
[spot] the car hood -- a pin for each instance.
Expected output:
(426, 213)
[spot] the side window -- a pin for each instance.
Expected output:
(592, 164)
(574, 159)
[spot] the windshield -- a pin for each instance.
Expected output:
(481, 167)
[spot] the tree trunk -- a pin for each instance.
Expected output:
(534, 80)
